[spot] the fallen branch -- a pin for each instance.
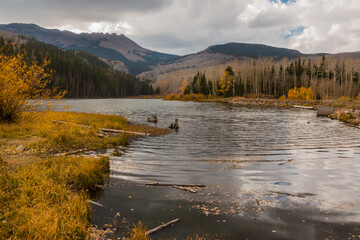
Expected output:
(302, 195)
(184, 189)
(162, 226)
(304, 107)
(96, 203)
(170, 185)
(106, 130)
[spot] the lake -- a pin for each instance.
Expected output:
(270, 173)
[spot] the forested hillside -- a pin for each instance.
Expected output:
(328, 77)
(81, 74)
(118, 50)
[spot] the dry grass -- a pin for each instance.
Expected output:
(186, 97)
(172, 97)
(42, 133)
(48, 199)
(138, 232)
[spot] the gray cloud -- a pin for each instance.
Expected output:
(185, 26)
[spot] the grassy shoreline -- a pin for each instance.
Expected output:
(346, 110)
(46, 196)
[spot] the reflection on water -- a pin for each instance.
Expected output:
(297, 175)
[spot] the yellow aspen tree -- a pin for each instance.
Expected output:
(184, 85)
(19, 83)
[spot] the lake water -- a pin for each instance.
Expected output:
(270, 173)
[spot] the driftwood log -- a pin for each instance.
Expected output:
(106, 130)
(300, 195)
(304, 107)
(184, 187)
(162, 226)
(170, 185)
(188, 189)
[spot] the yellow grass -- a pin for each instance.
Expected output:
(48, 200)
(46, 197)
(172, 97)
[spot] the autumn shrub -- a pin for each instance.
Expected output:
(346, 117)
(301, 93)
(19, 83)
(193, 97)
(172, 97)
(283, 97)
(344, 98)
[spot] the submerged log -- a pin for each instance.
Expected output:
(187, 189)
(301, 195)
(162, 226)
(170, 185)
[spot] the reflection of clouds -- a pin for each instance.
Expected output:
(247, 152)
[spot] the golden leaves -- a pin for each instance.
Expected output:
(20, 83)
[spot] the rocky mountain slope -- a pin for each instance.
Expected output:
(117, 50)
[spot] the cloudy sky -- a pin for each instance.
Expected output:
(186, 26)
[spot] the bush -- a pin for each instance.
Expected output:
(346, 99)
(172, 97)
(193, 97)
(19, 83)
(301, 93)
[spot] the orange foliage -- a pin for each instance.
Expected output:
(193, 97)
(301, 93)
(184, 85)
(172, 97)
(283, 97)
(226, 83)
(343, 98)
(19, 83)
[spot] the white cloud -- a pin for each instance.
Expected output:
(185, 26)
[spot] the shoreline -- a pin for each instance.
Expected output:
(51, 188)
(345, 111)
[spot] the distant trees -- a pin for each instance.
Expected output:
(307, 79)
(199, 85)
(225, 86)
(79, 73)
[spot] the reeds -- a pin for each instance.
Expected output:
(49, 200)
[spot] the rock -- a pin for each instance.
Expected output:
(20, 148)
(324, 110)
(100, 135)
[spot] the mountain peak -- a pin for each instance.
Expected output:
(253, 50)
(115, 49)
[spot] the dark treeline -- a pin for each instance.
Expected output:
(328, 78)
(81, 74)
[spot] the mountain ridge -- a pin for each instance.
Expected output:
(112, 47)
